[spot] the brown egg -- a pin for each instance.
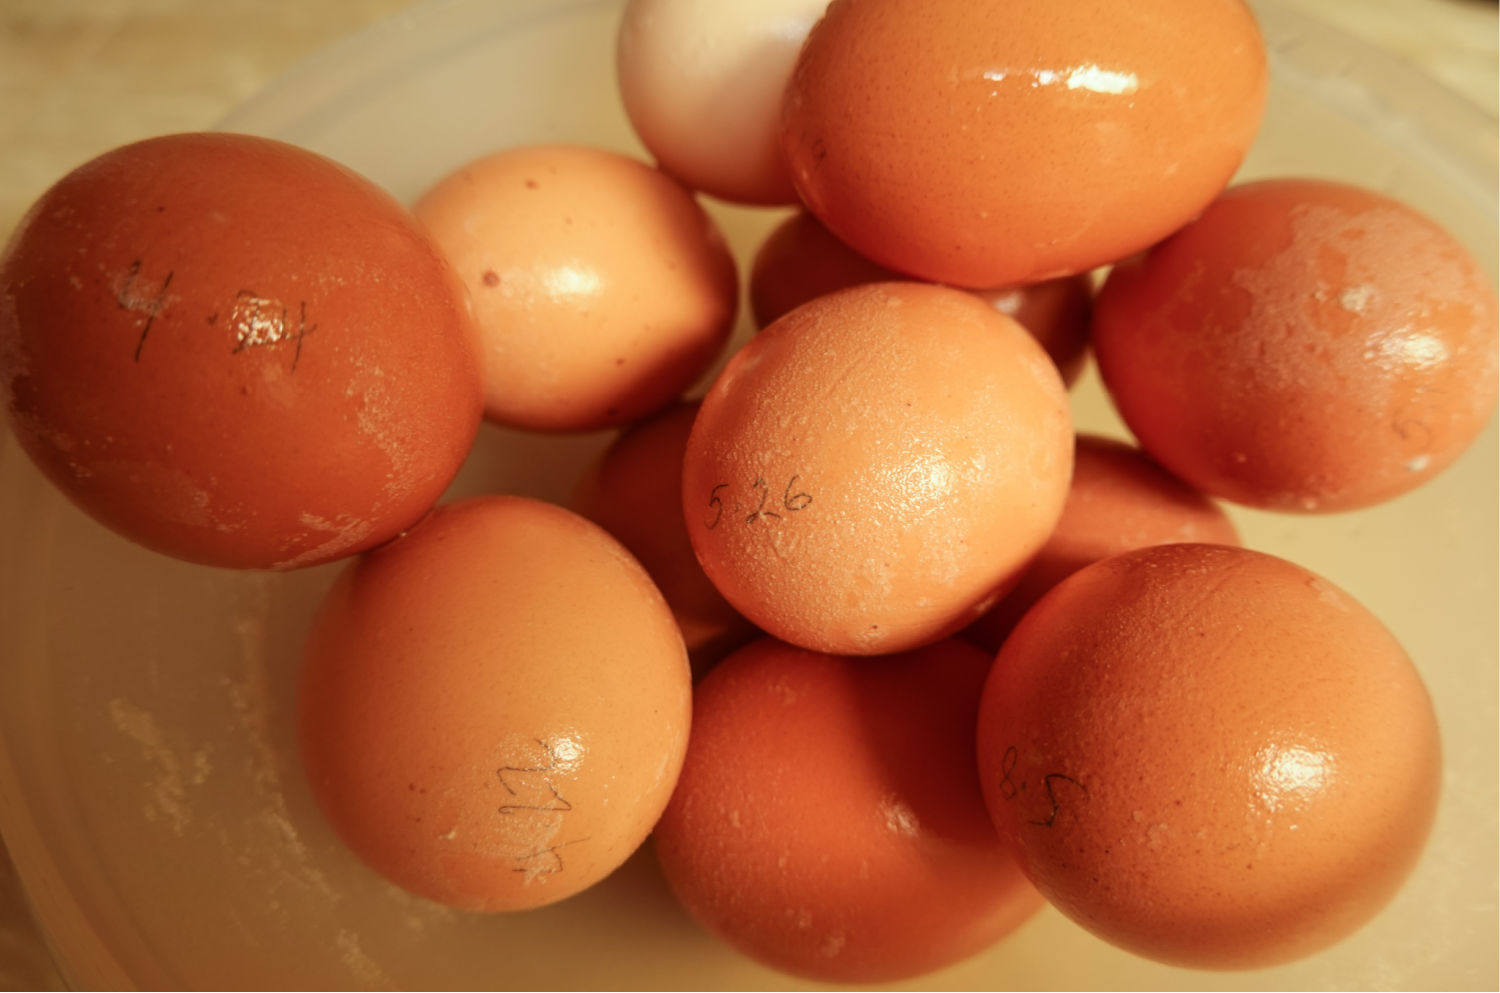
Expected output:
(634, 491)
(236, 352)
(979, 143)
(1209, 756)
(828, 821)
(494, 708)
(1057, 312)
(801, 260)
(871, 471)
(1118, 500)
(601, 288)
(1303, 346)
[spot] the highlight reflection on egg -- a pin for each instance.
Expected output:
(1209, 756)
(494, 708)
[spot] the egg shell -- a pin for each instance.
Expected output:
(1118, 500)
(702, 81)
(872, 470)
(828, 820)
(602, 289)
(633, 490)
(1304, 345)
(801, 260)
(494, 708)
(236, 352)
(1209, 756)
(985, 143)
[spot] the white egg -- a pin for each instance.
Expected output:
(702, 83)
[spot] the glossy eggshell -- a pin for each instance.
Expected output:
(981, 143)
(601, 288)
(1118, 500)
(634, 491)
(801, 260)
(702, 80)
(494, 708)
(1304, 345)
(235, 352)
(828, 821)
(872, 470)
(1057, 312)
(1209, 756)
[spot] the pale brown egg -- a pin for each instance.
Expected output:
(1209, 756)
(829, 822)
(236, 352)
(1118, 500)
(634, 491)
(601, 288)
(494, 708)
(871, 471)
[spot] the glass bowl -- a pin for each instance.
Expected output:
(149, 787)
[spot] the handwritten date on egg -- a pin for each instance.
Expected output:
(255, 320)
(755, 504)
(1055, 785)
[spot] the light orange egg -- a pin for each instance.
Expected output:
(493, 708)
(1304, 345)
(1118, 500)
(981, 143)
(236, 352)
(601, 288)
(801, 260)
(828, 821)
(871, 471)
(634, 491)
(1209, 756)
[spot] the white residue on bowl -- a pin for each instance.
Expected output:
(167, 797)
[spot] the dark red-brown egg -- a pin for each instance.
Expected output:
(236, 352)
(1304, 345)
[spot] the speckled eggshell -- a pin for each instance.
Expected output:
(985, 143)
(601, 288)
(872, 470)
(494, 708)
(633, 490)
(236, 352)
(702, 81)
(1209, 756)
(1304, 345)
(1118, 500)
(800, 260)
(828, 821)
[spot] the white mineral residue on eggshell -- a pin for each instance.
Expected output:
(377, 417)
(899, 818)
(345, 534)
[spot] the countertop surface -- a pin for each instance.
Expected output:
(78, 77)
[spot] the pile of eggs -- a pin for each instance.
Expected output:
(952, 658)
